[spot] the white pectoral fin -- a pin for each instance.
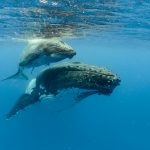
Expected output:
(50, 97)
(56, 56)
(53, 55)
(31, 86)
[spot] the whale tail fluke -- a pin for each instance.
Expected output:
(18, 75)
(24, 101)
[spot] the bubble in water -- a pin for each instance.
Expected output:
(54, 3)
(44, 1)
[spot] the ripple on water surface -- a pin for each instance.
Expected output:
(74, 18)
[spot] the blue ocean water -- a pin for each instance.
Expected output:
(117, 40)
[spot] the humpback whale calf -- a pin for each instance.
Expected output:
(42, 52)
(97, 80)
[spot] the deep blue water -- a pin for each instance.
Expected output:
(120, 121)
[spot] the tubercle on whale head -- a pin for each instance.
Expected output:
(66, 53)
(65, 49)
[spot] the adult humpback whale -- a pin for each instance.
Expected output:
(96, 80)
(42, 52)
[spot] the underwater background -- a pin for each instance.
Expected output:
(111, 33)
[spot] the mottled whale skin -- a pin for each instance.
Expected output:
(65, 76)
(42, 52)
(77, 75)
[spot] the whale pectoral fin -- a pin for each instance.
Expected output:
(24, 101)
(84, 95)
(32, 70)
(48, 64)
(18, 75)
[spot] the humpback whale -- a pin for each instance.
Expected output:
(97, 80)
(42, 52)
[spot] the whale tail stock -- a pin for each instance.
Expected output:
(18, 75)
